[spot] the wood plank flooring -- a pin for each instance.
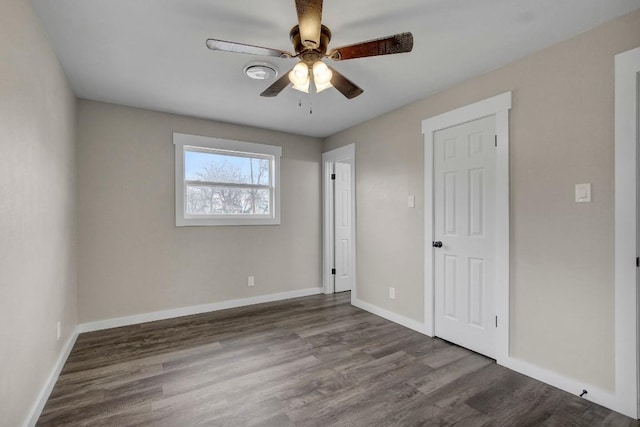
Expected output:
(314, 361)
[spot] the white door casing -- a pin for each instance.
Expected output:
(627, 233)
(497, 106)
(343, 155)
(464, 205)
(343, 280)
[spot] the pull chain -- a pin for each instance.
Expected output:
(310, 103)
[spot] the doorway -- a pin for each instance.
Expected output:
(489, 310)
(339, 251)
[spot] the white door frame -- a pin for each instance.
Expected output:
(627, 138)
(346, 154)
(499, 107)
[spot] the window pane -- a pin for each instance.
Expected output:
(206, 200)
(215, 167)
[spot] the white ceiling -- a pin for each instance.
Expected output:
(152, 54)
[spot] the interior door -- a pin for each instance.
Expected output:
(464, 237)
(342, 219)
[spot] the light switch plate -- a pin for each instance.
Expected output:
(583, 193)
(411, 201)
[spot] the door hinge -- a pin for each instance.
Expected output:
(495, 140)
(637, 262)
(333, 271)
(333, 176)
(496, 321)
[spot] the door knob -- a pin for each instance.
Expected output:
(437, 244)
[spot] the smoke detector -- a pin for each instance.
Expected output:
(260, 71)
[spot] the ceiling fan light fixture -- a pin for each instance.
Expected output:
(322, 76)
(302, 88)
(310, 41)
(299, 77)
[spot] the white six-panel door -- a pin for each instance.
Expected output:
(344, 276)
(464, 266)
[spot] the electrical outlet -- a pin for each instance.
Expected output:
(392, 293)
(251, 281)
(58, 331)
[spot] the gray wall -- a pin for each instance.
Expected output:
(561, 252)
(37, 210)
(133, 259)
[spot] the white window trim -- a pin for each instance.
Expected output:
(182, 140)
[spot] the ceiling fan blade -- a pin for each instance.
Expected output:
(398, 43)
(277, 86)
(309, 21)
(344, 85)
(226, 46)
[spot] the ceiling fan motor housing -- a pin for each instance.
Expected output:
(310, 55)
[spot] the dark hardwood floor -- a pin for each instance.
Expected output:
(314, 361)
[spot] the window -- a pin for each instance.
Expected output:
(225, 182)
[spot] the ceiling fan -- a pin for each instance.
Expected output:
(310, 42)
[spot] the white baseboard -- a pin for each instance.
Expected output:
(44, 394)
(608, 399)
(194, 309)
(594, 394)
(389, 315)
(601, 397)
